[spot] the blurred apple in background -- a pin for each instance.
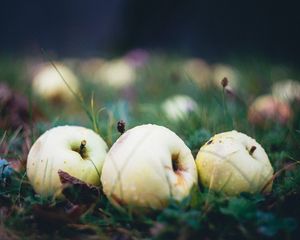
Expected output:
(287, 90)
(232, 162)
(220, 71)
(76, 150)
(71, 62)
(178, 107)
(267, 109)
(116, 74)
(199, 71)
(88, 67)
(48, 83)
(146, 167)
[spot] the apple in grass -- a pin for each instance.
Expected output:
(55, 84)
(267, 108)
(232, 162)
(199, 71)
(220, 71)
(88, 67)
(73, 149)
(287, 91)
(117, 74)
(146, 167)
(178, 107)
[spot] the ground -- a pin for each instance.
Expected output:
(205, 214)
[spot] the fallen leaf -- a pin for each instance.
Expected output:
(77, 191)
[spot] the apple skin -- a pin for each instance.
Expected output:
(178, 107)
(266, 108)
(58, 149)
(225, 163)
(48, 84)
(138, 170)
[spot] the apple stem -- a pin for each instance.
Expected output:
(252, 149)
(82, 146)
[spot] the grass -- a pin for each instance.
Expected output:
(203, 215)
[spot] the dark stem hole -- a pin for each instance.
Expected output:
(175, 163)
(252, 149)
(81, 149)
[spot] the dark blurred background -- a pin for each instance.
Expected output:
(210, 29)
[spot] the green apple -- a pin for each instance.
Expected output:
(76, 150)
(146, 167)
(232, 162)
(267, 108)
(50, 83)
(178, 107)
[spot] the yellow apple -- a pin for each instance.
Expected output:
(199, 71)
(116, 74)
(178, 107)
(232, 162)
(76, 150)
(48, 83)
(146, 167)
